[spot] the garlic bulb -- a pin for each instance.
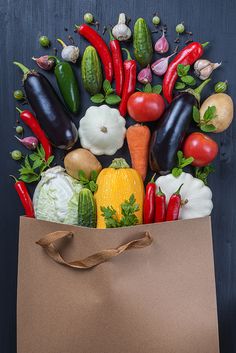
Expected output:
(69, 52)
(203, 68)
(121, 31)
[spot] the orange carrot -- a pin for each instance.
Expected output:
(138, 138)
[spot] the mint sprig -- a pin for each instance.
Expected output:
(185, 78)
(182, 162)
(204, 122)
(128, 210)
(88, 183)
(148, 88)
(109, 96)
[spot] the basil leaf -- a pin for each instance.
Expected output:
(94, 175)
(106, 86)
(109, 91)
(209, 113)
(207, 128)
(112, 99)
(82, 176)
(157, 89)
(182, 70)
(179, 85)
(189, 80)
(97, 98)
(93, 186)
(148, 88)
(196, 114)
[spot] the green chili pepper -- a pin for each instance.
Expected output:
(67, 84)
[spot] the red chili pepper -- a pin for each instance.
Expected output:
(99, 44)
(130, 67)
(160, 206)
(172, 213)
(149, 202)
(117, 63)
(187, 56)
(30, 120)
(24, 197)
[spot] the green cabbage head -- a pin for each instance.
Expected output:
(56, 197)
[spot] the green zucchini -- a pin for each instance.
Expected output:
(91, 71)
(87, 209)
(143, 49)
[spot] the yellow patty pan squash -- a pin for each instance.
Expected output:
(115, 185)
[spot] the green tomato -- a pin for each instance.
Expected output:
(19, 129)
(88, 17)
(18, 94)
(156, 20)
(221, 87)
(180, 28)
(16, 155)
(44, 41)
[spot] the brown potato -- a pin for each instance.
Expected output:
(81, 159)
(224, 110)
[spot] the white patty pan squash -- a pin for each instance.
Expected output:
(196, 196)
(102, 130)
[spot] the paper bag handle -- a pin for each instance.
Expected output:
(47, 243)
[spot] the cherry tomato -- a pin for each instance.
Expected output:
(145, 106)
(201, 147)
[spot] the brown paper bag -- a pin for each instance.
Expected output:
(154, 294)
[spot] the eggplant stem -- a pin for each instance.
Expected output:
(199, 89)
(24, 69)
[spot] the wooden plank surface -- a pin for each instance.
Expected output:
(21, 24)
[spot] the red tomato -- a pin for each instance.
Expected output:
(201, 147)
(143, 106)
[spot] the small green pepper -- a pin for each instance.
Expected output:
(221, 87)
(67, 84)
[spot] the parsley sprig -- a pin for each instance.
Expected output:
(203, 173)
(182, 162)
(33, 166)
(109, 96)
(204, 122)
(128, 210)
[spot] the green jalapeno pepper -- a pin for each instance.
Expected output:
(67, 84)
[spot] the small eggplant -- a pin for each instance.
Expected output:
(167, 138)
(48, 108)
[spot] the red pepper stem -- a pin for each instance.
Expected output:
(152, 179)
(128, 54)
(13, 177)
(19, 110)
(111, 35)
(178, 191)
(160, 192)
(204, 45)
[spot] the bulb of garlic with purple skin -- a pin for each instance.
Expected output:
(162, 45)
(160, 66)
(30, 142)
(145, 75)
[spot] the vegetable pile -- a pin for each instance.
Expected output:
(161, 128)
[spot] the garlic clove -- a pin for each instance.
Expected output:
(44, 63)
(145, 75)
(30, 142)
(162, 44)
(203, 68)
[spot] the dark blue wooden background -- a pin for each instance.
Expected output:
(21, 23)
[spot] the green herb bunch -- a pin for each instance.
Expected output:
(185, 78)
(109, 96)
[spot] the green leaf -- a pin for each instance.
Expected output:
(203, 173)
(106, 86)
(98, 98)
(82, 176)
(179, 85)
(42, 151)
(180, 157)
(209, 114)
(112, 99)
(196, 114)
(93, 186)
(148, 88)
(157, 89)
(27, 163)
(207, 128)
(176, 172)
(37, 163)
(33, 156)
(50, 160)
(109, 91)
(94, 175)
(29, 178)
(182, 70)
(189, 80)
